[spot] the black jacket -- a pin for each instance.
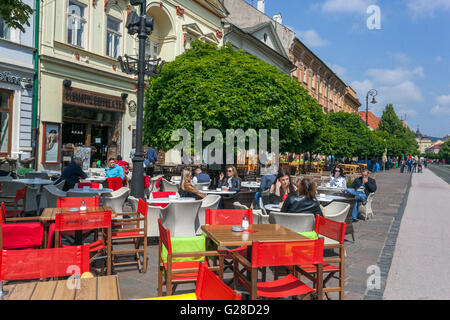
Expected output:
(236, 184)
(301, 204)
(72, 174)
(369, 187)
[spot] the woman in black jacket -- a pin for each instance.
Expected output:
(305, 201)
(281, 188)
(231, 182)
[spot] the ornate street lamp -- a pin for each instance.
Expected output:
(143, 27)
(373, 93)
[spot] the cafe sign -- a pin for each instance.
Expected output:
(89, 99)
(6, 76)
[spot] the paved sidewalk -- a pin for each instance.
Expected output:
(419, 268)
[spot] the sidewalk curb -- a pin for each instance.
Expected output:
(385, 259)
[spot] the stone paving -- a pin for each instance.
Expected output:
(370, 239)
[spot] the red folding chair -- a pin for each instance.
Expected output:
(15, 236)
(172, 273)
(21, 195)
(217, 217)
(86, 222)
(42, 263)
(210, 287)
(159, 195)
(69, 202)
(275, 254)
(131, 231)
(334, 233)
(115, 183)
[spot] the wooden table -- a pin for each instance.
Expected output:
(224, 236)
(100, 288)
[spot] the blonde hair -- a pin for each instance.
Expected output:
(186, 173)
(235, 175)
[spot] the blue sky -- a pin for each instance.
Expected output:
(407, 60)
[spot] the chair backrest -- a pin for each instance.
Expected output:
(115, 183)
(246, 198)
(92, 185)
(82, 221)
(337, 211)
(142, 207)
(287, 253)
(164, 237)
(330, 229)
(238, 205)
(2, 214)
(43, 263)
(297, 222)
(36, 175)
(169, 186)
(211, 201)
(199, 186)
(228, 216)
(60, 184)
(261, 205)
(116, 199)
(158, 195)
(70, 202)
(210, 287)
(21, 194)
(229, 200)
(181, 218)
(52, 193)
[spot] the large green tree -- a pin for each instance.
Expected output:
(444, 153)
(401, 141)
(15, 13)
(229, 89)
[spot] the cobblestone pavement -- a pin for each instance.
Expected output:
(367, 250)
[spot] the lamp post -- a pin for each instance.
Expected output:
(373, 93)
(143, 27)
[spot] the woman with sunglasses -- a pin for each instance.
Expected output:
(337, 178)
(231, 182)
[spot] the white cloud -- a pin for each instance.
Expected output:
(444, 100)
(401, 58)
(339, 70)
(395, 76)
(311, 38)
(438, 110)
(347, 6)
(423, 8)
(438, 59)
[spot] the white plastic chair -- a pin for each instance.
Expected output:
(366, 210)
(199, 186)
(264, 214)
(337, 211)
(60, 185)
(52, 193)
(211, 201)
(257, 214)
(169, 186)
(181, 218)
(37, 175)
(116, 199)
(297, 222)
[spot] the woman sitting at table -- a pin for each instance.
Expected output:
(337, 179)
(186, 187)
(305, 201)
(232, 182)
(281, 188)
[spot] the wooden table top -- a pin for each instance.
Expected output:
(224, 236)
(100, 288)
(48, 215)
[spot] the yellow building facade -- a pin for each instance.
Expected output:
(87, 105)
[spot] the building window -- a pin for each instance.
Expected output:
(151, 49)
(5, 122)
(76, 24)
(4, 30)
(113, 37)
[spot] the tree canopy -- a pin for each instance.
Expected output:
(229, 89)
(15, 13)
(444, 153)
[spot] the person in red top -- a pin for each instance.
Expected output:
(125, 165)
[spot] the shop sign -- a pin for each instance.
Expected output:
(89, 99)
(6, 76)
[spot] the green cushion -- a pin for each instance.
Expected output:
(185, 244)
(311, 235)
(23, 171)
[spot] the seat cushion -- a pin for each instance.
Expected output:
(310, 235)
(118, 235)
(185, 244)
(22, 235)
(285, 287)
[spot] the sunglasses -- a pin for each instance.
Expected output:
(229, 170)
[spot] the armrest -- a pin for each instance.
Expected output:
(196, 254)
(242, 260)
(24, 219)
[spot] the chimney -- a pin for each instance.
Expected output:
(278, 18)
(261, 5)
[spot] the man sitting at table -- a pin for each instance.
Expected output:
(266, 182)
(72, 174)
(114, 170)
(200, 177)
(361, 188)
